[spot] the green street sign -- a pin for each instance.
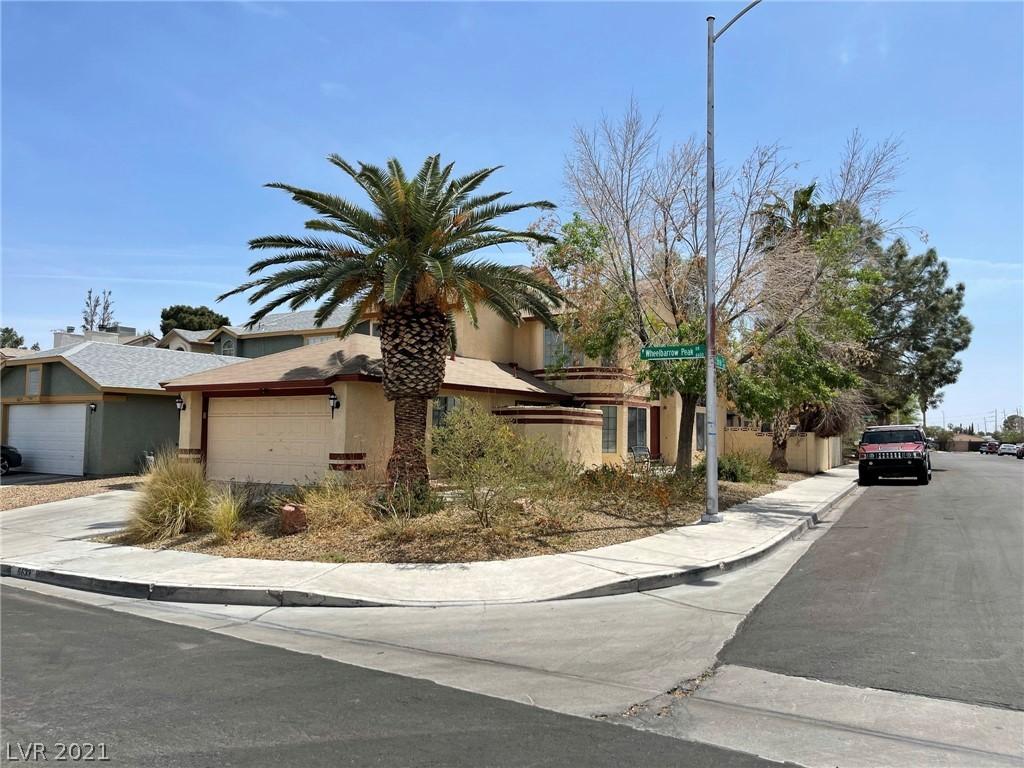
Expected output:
(680, 352)
(674, 352)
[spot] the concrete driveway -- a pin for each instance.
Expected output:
(16, 477)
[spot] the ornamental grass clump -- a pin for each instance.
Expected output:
(227, 507)
(174, 499)
(330, 502)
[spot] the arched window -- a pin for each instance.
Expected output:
(227, 347)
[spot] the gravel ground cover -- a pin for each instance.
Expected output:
(452, 535)
(23, 495)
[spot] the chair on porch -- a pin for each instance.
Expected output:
(640, 457)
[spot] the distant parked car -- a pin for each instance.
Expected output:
(9, 458)
(1007, 449)
(1020, 451)
(990, 447)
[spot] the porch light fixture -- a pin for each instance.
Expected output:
(180, 403)
(92, 407)
(334, 403)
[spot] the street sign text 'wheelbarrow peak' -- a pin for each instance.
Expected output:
(680, 352)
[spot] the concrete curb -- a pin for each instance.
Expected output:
(291, 597)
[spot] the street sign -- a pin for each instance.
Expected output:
(674, 352)
(680, 352)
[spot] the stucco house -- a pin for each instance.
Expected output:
(271, 418)
(93, 407)
(280, 331)
(181, 340)
(7, 353)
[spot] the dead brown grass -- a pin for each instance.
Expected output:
(568, 522)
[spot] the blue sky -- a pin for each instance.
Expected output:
(136, 136)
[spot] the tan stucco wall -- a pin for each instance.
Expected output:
(805, 452)
(671, 407)
(190, 421)
(491, 340)
(580, 444)
(528, 345)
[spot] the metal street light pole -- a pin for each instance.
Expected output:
(710, 387)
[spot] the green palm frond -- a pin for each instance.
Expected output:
(412, 243)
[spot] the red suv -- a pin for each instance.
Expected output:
(893, 451)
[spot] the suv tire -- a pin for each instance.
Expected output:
(924, 477)
(864, 478)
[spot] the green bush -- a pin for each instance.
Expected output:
(742, 467)
(492, 466)
(174, 499)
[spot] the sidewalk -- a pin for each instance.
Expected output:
(48, 543)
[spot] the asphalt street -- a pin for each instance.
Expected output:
(917, 589)
(157, 694)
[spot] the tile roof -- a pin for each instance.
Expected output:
(357, 355)
(14, 351)
(292, 321)
(117, 366)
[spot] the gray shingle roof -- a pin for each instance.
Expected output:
(116, 366)
(192, 335)
(293, 321)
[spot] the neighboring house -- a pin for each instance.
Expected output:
(7, 353)
(143, 340)
(93, 408)
(181, 340)
(269, 417)
(962, 442)
(279, 332)
(114, 334)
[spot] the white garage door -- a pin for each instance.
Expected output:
(51, 438)
(268, 439)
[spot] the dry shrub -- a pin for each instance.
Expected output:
(174, 498)
(330, 502)
(227, 507)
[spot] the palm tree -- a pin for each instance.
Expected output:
(404, 260)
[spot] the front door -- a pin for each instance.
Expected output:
(656, 431)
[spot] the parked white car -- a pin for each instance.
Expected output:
(1007, 449)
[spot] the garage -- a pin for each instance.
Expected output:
(284, 440)
(51, 438)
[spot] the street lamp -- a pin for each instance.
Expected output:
(710, 388)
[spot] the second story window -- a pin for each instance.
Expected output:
(227, 347)
(34, 380)
(319, 339)
(557, 353)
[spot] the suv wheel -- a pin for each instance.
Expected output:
(864, 477)
(4, 467)
(924, 477)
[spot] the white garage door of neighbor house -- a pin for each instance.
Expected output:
(51, 438)
(268, 439)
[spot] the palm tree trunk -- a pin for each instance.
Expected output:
(684, 443)
(408, 463)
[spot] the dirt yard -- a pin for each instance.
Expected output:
(452, 534)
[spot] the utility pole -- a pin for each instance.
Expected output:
(711, 348)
